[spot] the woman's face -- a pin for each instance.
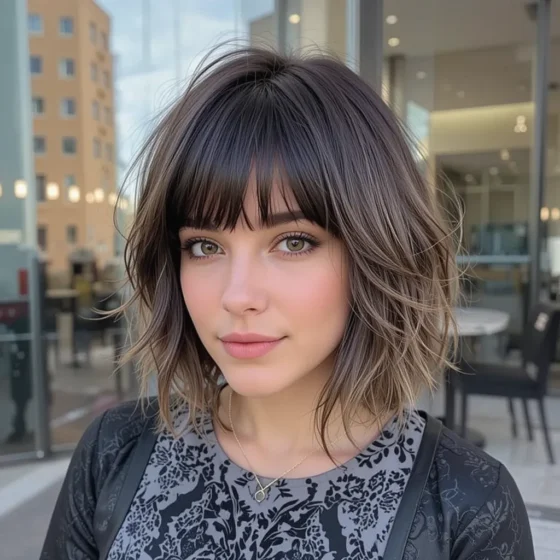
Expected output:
(270, 305)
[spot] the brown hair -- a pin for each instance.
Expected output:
(319, 129)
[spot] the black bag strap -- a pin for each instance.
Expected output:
(136, 468)
(410, 501)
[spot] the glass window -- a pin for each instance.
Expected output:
(93, 33)
(66, 26)
(36, 64)
(39, 145)
(71, 234)
(38, 105)
(109, 152)
(108, 116)
(41, 186)
(104, 40)
(42, 237)
(96, 148)
(35, 24)
(68, 107)
(106, 78)
(467, 101)
(69, 145)
(67, 68)
(95, 110)
(93, 71)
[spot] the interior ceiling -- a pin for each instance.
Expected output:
(470, 53)
(428, 26)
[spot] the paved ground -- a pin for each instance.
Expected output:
(23, 531)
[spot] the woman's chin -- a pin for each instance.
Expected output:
(256, 383)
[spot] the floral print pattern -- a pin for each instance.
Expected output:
(194, 503)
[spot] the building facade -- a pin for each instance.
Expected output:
(71, 68)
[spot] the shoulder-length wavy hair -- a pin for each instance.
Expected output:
(318, 128)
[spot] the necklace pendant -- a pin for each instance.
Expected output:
(260, 495)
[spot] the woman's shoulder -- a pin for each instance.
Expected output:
(473, 499)
(113, 435)
(458, 460)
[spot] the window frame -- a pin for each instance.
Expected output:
(62, 32)
(39, 59)
(41, 99)
(74, 228)
(64, 139)
(39, 18)
(37, 137)
(63, 106)
(63, 64)
(42, 228)
(43, 190)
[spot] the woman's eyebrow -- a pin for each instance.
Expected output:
(273, 220)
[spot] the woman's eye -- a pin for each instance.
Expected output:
(294, 245)
(204, 249)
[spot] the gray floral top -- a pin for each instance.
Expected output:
(194, 503)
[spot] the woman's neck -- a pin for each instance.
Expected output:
(284, 424)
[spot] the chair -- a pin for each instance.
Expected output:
(526, 381)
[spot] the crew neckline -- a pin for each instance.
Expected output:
(387, 436)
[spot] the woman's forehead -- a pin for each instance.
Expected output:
(280, 201)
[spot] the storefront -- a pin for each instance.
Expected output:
(476, 83)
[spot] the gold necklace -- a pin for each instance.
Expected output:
(261, 493)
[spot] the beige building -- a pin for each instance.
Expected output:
(74, 129)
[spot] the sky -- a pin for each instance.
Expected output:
(157, 44)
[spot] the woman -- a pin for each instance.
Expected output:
(294, 282)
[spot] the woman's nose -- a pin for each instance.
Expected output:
(245, 289)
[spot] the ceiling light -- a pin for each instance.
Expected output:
(545, 214)
(391, 20)
(394, 42)
(421, 74)
(294, 18)
(20, 188)
(504, 154)
(74, 194)
(555, 214)
(520, 124)
(90, 198)
(53, 191)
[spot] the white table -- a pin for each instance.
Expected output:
(472, 322)
(475, 321)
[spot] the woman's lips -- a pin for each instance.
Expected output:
(246, 350)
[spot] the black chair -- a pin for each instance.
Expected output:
(527, 381)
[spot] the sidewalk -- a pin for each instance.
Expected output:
(27, 497)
